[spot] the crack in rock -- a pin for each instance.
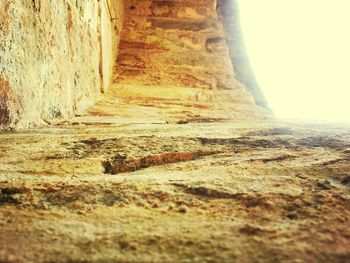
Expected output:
(207, 192)
(121, 164)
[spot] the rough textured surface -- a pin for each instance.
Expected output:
(174, 66)
(50, 57)
(263, 193)
(175, 163)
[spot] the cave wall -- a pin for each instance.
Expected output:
(56, 57)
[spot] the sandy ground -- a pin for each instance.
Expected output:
(195, 192)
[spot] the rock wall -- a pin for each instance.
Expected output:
(174, 43)
(174, 58)
(56, 57)
(229, 15)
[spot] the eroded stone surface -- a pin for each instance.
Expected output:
(174, 66)
(175, 163)
(265, 193)
(51, 57)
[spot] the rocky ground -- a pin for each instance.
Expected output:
(175, 163)
(195, 192)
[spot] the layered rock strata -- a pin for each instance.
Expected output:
(174, 65)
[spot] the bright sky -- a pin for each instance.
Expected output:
(300, 53)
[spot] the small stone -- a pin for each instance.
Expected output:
(347, 150)
(346, 180)
(292, 216)
(298, 203)
(124, 244)
(155, 205)
(324, 185)
(182, 210)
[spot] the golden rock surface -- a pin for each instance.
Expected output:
(197, 192)
(173, 66)
(175, 163)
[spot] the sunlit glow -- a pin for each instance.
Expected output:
(300, 53)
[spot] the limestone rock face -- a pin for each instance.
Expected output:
(51, 57)
(174, 65)
(176, 61)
